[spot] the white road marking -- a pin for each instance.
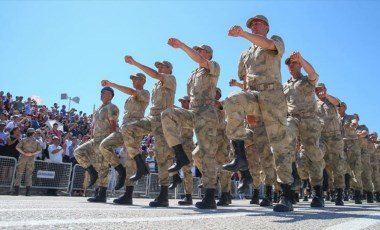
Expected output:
(358, 223)
(119, 220)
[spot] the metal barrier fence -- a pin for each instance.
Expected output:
(78, 177)
(7, 171)
(50, 175)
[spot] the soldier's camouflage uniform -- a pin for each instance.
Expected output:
(188, 147)
(26, 163)
(331, 143)
(134, 109)
(162, 98)
(86, 153)
(366, 160)
(265, 98)
(202, 116)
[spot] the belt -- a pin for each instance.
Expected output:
(265, 86)
(302, 115)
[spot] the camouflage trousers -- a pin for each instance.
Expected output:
(259, 155)
(188, 147)
(221, 157)
(89, 154)
(366, 170)
(354, 162)
(133, 133)
(107, 148)
(204, 121)
(24, 164)
(271, 107)
(375, 172)
(309, 132)
(332, 146)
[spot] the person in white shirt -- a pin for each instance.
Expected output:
(55, 155)
(3, 138)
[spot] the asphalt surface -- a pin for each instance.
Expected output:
(42, 212)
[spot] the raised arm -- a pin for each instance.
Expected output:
(259, 40)
(193, 54)
(124, 89)
(151, 72)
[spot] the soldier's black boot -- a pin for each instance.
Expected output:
(369, 197)
(188, 200)
(141, 170)
(176, 181)
(224, 199)
(93, 175)
(293, 194)
(377, 196)
(180, 159)
(101, 197)
(339, 197)
(208, 201)
(125, 199)
(357, 197)
(285, 203)
(16, 191)
(27, 191)
(245, 180)
(121, 177)
(333, 196)
(317, 201)
(162, 199)
(240, 160)
(267, 201)
(276, 197)
(347, 179)
(297, 197)
(255, 197)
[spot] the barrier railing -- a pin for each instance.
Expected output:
(7, 171)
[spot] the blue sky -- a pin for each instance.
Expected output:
(53, 47)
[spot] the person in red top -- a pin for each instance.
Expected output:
(55, 131)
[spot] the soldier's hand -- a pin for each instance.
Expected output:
(174, 42)
(105, 83)
(235, 31)
(233, 82)
(296, 56)
(129, 60)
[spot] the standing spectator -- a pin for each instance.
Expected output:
(28, 148)
(2, 107)
(63, 111)
(71, 148)
(55, 155)
(55, 131)
(151, 161)
(14, 122)
(12, 141)
(3, 138)
(41, 139)
(28, 106)
(18, 104)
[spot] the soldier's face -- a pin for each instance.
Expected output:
(320, 92)
(205, 54)
(106, 96)
(185, 104)
(259, 27)
(138, 82)
(164, 69)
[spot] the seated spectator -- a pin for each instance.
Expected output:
(13, 123)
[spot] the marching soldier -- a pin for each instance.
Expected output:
(134, 109)
(104, 123)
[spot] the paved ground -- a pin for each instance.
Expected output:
(41, 212)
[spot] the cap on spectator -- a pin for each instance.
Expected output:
(184, 98)
(373, 134)
(30, 130)
(138, 75)
(55, 138)
(320, 85)
(203, 47)
(2, 123)
(38, 130)
(165, 63)
(109, 89)
(343, 104)
(257, 17)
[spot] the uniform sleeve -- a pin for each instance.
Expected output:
(214, 68)
(242, 72)
(169, 82)
(279, 43)
(314, 83)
